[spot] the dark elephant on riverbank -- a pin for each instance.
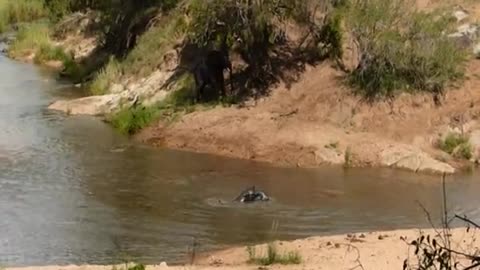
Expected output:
(209, 71)
(206, 64)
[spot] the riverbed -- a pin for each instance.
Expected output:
(74, 191)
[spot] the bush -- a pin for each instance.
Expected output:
(401, 49)
(131, 120)
(273, 257)
(457, 145)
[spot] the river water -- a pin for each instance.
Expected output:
(72, 190)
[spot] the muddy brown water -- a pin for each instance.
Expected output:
(72, 190)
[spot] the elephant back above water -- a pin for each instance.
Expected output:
(252, 195)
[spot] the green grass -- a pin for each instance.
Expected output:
(179, 102)
(131, 120)
(30, 38)
(273, 256)
(135, 266)
(457, 145)
(152, 46)
(48, 52)
(15, 11)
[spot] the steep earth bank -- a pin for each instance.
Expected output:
(319, 121)
(315, 121)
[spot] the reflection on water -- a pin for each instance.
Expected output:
(74, 191)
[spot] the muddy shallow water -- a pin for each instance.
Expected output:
(72, 190)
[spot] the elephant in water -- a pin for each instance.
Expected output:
(252, 195)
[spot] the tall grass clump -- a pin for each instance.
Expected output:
(30, 37)
(401, 48)
(16, 11)
(273, 256)
(105, 77)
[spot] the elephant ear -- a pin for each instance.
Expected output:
(243, 193)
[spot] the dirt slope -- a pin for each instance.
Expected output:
(318, 120)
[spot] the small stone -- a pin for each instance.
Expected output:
(329, 243)
(337, 245)
(380, 237)
(163, 264)
(460, 15)
(361, 236)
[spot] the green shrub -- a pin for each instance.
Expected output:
(457, 145)
(401, 49)
(131, 120)
(273, 257)
(331, 35)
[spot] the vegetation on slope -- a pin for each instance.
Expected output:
(17, 11)
(400, 49)
(457, 145)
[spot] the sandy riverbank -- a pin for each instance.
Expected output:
(377, 250)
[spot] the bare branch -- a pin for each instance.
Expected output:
(467, 220)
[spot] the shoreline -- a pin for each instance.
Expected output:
(373, 250)
(315, 121)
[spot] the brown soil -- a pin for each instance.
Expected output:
(317, 120)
